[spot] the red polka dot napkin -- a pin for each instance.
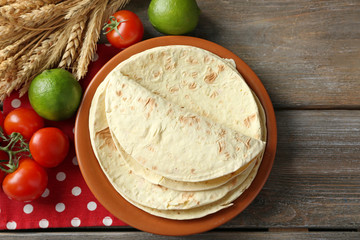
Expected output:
(67, 201)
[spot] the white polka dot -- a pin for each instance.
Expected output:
(91, 206)
(45, 193)
(43, 223)
(73, 130)
(15, 103)
(95, 57)
(74, 161)
(11, 225)
(76, 191)
(107, 221)
(28, 208)
(108, 44)
(60, 176)
(75, 222)
(60, 207)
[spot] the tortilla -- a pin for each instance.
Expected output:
(199, 81)
(225, 100)
(171, 141)
(136, 188)
(205, 210)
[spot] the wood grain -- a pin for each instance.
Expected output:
(306, 52)
(209, 235)
(315, 181)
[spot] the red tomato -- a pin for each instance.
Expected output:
(24, 121)
(49, 146)
(124, 29)
(27, 182)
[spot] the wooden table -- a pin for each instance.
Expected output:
(307, 54)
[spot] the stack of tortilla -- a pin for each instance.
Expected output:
(177, 131)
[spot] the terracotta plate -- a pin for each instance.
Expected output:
(118, 206)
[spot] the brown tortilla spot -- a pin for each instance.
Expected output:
(192, 85)
(151, 149)
(248, 121)
(191, 60)
(206, 59)
(168, 112)
(156, 74)
(173, 89)
(221, 68)
(154, 168)
(210, 77)
(194, 74)
(184, 82)
(119, 93)
(170, 66)
(247, 144)
(214, 94)
(220, 147)
(222, 133)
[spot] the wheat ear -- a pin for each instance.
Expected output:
(89, 45)
(82, 7)
(6, 2)
(13, 10)
(71, 50)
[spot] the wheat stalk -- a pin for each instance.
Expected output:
(89, 45)
(71, 50)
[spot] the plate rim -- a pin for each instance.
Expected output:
(106, 194)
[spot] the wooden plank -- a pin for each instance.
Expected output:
(315, 181)
(307, 52)
(209, 235)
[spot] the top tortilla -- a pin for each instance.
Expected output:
(171, 141)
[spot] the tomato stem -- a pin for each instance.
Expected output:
(113, 25)
(16, 144)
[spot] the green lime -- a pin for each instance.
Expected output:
(174, 16)
(55, 94)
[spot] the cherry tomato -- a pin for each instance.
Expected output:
(124, 29)
(49, 146)
(27, 182)
(23, 120)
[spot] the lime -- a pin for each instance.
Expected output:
(174, 16)
(55, 94)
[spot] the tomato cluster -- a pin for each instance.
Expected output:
(23, 176)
